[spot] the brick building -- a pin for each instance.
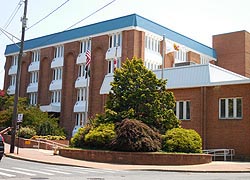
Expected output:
(210, 84)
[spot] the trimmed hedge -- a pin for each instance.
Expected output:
(100, 136)
(182, 140)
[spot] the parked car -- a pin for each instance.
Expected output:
(1, 146)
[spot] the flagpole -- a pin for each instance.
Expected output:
(163, 56)
(87, 69)
(87, 98)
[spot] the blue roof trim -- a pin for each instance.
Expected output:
(109, 25)
(174, 36)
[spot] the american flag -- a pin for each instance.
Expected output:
(115, 63)
(88, 56)
(88, 60)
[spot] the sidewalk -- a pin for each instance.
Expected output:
(46, 156)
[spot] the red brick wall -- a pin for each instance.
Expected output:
(45, 75)
(25, 75)
(136, 158)
(6, 76)
(70, 71)
(194, 96)
(133, 44)
(99, 67)
(232, 53)
(193, 57)
(228, 133)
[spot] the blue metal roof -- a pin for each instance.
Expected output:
(109, 25)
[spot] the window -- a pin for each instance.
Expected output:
(152, 43)
(81, 94)
(57, 73)
(180, 56)
(33, 98)
(81, 70)
(230, 108)
(112, 66)
(85, 45)
(13, 80)
(204, 59)
(36, 56)
(55, 96)
(59, 51)
(115, 40)
(80, 119)
(182, 110)
(14, 60)
(34, 77)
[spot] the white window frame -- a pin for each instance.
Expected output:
(80, 119)
(184, 108)
(180, 56)
(111, 67)
(36, 56)
(13, 80)
(115, 39)
(204, 59)
(33, 98)
(34, 75)
(81, 94)
(59, 51)
(14, 60)
(85, 45)
(81, 70)
(56, 96)
(57, 73)
(234, 111)
(152, 43)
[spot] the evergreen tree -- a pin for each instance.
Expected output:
(136, 93)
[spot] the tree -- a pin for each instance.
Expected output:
(136, 93)
(33, 117)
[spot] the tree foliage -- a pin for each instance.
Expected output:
(134, 136)
(33, 117)
(136, 93)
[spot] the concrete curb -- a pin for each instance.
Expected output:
(133, 169)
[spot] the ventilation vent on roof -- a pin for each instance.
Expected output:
(184, 64)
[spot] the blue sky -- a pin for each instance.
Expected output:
(197, 19)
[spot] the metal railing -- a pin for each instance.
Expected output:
(220, 153)
(55, 146)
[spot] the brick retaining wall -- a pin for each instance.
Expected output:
(136, 158)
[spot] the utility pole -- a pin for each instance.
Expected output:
(15, 110)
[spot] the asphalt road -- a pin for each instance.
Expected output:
(13, 169)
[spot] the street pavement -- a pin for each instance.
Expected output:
(47, 156)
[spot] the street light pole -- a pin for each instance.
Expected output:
(15, 110)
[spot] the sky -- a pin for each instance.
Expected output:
(196, 19)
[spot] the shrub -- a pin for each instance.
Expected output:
(182, 140)
(78, 139)
(49, 127)
(100, 136)
(133, 135)
(49, 137)
(26, 132)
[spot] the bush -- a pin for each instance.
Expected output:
(26, 132)
(182, 140)
(100, 136)
(133, 135)
(49, 127)
(78, 139)
(49, 137)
